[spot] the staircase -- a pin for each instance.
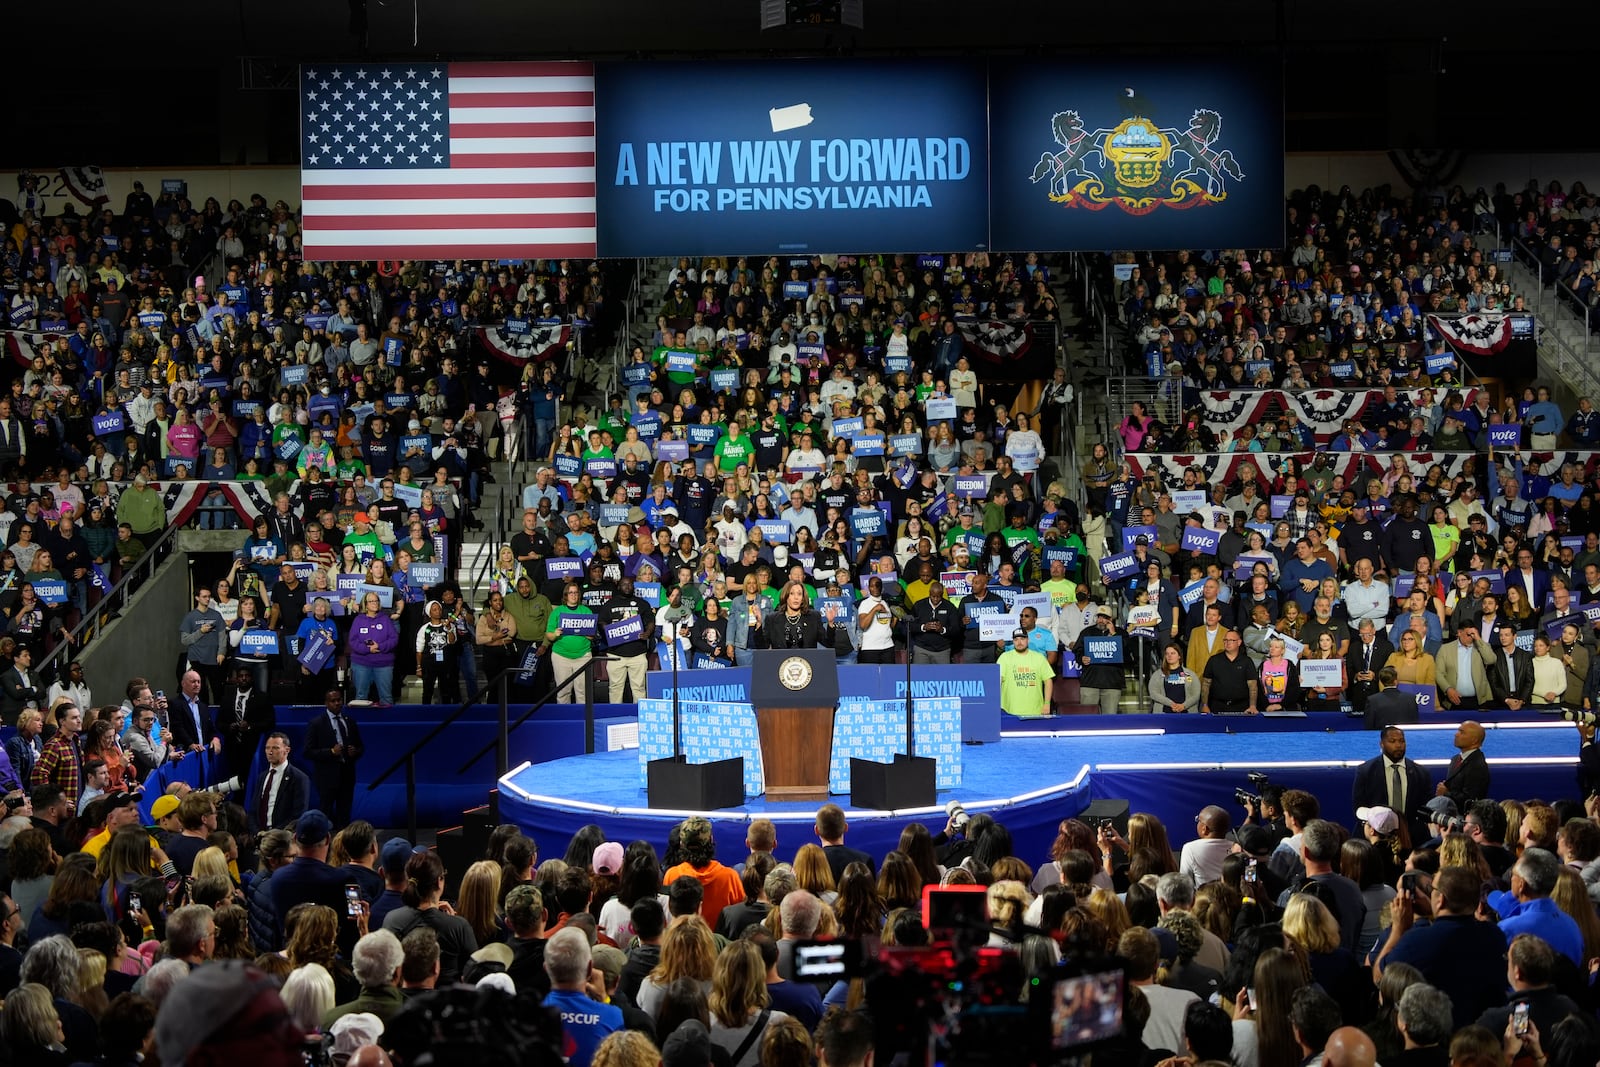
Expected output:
(1566, 348)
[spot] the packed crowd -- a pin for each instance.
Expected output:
(1558, 227)
(1442, 927)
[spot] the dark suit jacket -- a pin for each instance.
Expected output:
(328, 770)
(1468, 780)
(772, 630)
(294, 797)
(14, 696)
(1371, 789)
(841, 856)
(241, 737)
(182, 723)
(1389, 708)
(1355, 661)
(1541, 585)
(1523, 665)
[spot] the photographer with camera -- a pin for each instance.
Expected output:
(1264, 809)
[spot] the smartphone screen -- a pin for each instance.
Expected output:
(1250, 994)
(134, 903)
(352, 899)
(1519, 1018)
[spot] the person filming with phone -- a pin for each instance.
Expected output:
(1457, 954)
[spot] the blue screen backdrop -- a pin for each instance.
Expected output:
(791, 156)
(1088, 155)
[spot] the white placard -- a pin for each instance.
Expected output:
(1144, 615)
(1324, 673)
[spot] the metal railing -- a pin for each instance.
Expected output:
(501, 745)
(1558, 298)
(112, 602)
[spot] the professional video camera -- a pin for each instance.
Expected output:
(1450, 824)
(1246, 799)
(958, 1000)
(1582, 718)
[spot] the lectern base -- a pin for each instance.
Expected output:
(908, 782)
(677, 783)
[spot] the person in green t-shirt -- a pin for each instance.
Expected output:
(570, 652)
(733, 449)
(367, 545)
(1025, 679)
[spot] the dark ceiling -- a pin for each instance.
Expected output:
(192, 82)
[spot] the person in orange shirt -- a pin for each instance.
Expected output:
(721, 884)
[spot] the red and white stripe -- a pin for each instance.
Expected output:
(521, 184)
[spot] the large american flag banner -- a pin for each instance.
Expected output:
(447, 160)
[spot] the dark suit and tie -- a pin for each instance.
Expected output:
(1467, 779)
(244, 717)
(333, 744)
(1365, 658)
(1403, 787)
(279, 796)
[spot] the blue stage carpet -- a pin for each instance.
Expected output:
(1031, 782)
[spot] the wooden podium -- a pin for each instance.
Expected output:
(795, 693)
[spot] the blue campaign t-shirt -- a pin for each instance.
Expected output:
(584, 1023)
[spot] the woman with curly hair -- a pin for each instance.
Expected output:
(1190, 937)
(232, 941)
(315, 939)
(1072, 834)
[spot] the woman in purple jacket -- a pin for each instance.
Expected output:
(373, 637)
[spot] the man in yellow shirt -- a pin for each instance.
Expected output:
(123, 811)
(1026, 678)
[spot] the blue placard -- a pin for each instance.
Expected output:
(577, 625)
(649, 592)
(568, 466)
(897, 364)
(385, 594)
(393, 351)
(1553, 629)
(1279, 505)
(316, 650)
(866, 522)
(1115, 568)
(672, 451)
(409, 495)
(294, 374)
(1130, 533)
(648, 423)
(1253, 367)
(747, 168)
(1497, 581)
(1505, 436)
(1439, 361)
(1403, 584)
(258, 643)
(320, 405)
(1067, 554)
(420, 441)
(245, 408)
(1343, 369)
(1571, 541)
(1199, 539)
(613, 514)
(110, 423)
(624, 630)
(517, 327)
(970, 486)
(940, 408)
(796, 289)
(776, 531)
(867, 445)
(905, 444)
(600, 467)
(558, 568)
(50, 590)
(636, 374)
(680, 362)
(398, 401)
(426, 575)
(724, 380)
(702, 435)
(809, 352)
(848, 427)
(1103, 649)
(1190, 594)
(1427, 696)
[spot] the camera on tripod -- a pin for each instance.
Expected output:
(1247, 799)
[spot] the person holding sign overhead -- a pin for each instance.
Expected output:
(571, 644)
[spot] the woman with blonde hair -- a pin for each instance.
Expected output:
(478, 902)
(31, 1028)
(812, 873)
(213, 862)
(1308, 921)
(1410, 662)
(687, 951)
(740, 1006)
(626, 1048)
(1112, 913)
(1008, 901)
(315, 940)
(1459, 850)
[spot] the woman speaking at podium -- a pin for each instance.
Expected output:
(794, 624)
